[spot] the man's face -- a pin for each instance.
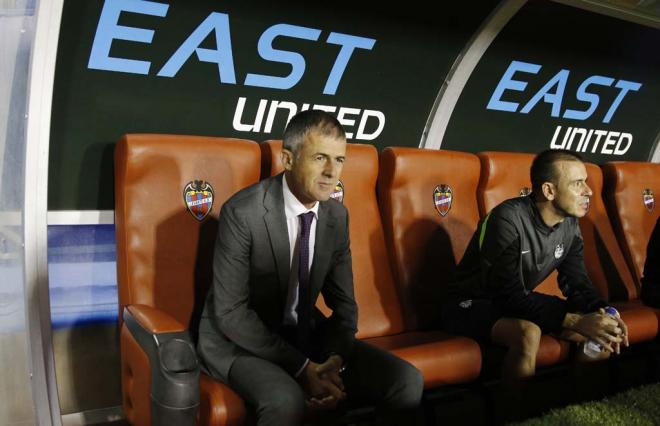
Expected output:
(314, 170)
(572, 192)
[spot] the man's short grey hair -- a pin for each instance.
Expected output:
(305, 121)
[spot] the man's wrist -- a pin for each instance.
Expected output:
(337, 360)
(570, 319)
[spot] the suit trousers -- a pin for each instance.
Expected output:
(372, 376)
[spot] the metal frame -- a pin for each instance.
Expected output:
(654, 154)
(462, 69)
(40, 346)
(632, 13)
(81, 217)
(36, 216)
(467, 60)
(620, 11)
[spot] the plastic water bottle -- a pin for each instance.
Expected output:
(592, 348)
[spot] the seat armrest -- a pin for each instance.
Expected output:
(154, 320)
(174, 365)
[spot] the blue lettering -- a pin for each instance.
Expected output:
(348, 44)
(215, 22)
(507, 83)
(267, 52)
(625, 87)
(108, 30)
(558, 80)
(584, 96)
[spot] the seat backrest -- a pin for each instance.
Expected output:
(429, 208)
(164, 253)
(378, 302)
(629, 194)
(271, 158)
(605, 263)
(505, 175)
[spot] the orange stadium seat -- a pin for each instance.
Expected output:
(629, 192)
(442, 359)
(164, 258)
(505, 175)
(488, 183)
(607, 267)
(429, 207)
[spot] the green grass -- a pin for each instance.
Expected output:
(640, 406)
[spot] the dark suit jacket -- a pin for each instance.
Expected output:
(245, 307)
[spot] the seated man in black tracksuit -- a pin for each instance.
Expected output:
(513, 250)
(651, 278)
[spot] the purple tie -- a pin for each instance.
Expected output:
(304, 303)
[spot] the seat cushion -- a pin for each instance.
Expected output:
(642, 320)
(219, 405)
(628, 189)
(442, 358)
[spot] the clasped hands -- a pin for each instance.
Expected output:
(322, 383)
(610, 332)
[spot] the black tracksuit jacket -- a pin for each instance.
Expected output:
(512, 252)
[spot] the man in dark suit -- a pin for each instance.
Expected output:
(280, 243)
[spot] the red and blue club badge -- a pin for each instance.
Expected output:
(649, 199)
(198, 195)
(525, 191)
(338, 193)
(442, 198)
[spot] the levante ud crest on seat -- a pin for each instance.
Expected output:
(442, 198)
(198, 195)
(649, 199)
(338, 193)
